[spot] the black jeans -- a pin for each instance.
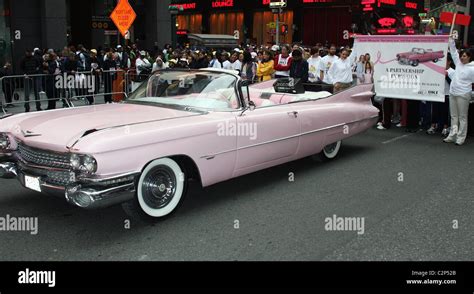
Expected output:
(413, 114)
(108, 81)
(387, 112)
(51, 92)
(8, 91)
(441, 112)
(35, 83)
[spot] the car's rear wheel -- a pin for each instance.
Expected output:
(435, 60)
(160, 190)
(329, 152)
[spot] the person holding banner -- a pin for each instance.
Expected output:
(325, 64)
(460, 94)
(340, 72)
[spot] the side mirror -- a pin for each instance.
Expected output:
(252, 105)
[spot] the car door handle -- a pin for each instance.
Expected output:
(293, 113)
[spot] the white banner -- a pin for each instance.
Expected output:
(407, 67)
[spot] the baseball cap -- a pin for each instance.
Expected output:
(275, 48)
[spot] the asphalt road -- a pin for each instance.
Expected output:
(414, 192)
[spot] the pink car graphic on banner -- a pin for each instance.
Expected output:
(419, 55)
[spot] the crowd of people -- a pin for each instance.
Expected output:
(339, 67)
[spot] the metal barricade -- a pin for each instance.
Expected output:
(43, 91)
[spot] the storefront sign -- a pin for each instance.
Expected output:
(319, 1)
(222, 3)
(407, 67)
(185, 6)
(387, 21)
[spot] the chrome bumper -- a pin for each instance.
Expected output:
(86, 193)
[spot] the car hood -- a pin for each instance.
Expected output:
(62, 128)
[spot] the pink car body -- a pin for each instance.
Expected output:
(124, 138)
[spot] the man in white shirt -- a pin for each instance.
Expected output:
(340, 72)
(143, 65)
(222, 62)
(236, 64)
(226, 64)
(326, 63)
(313, 63)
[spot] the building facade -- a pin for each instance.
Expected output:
(306, 21)
(26, 24)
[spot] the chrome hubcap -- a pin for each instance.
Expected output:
(330, 148)
(159, 187)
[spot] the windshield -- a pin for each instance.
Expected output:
(196, 89)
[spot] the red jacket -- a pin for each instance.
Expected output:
(280, 67)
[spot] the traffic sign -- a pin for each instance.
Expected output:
(123, 16)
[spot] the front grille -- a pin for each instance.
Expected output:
(42, 157)
(61, 178)
(53, 177)
(52, 167)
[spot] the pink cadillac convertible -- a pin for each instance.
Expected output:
(205, 125)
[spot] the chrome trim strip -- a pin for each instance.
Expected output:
(98, 180)
(208, 157)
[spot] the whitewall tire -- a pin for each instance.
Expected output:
(329, 152)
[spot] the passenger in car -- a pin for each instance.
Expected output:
(299, 67)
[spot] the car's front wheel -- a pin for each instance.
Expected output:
(415, 62)
(329, 152)
(160, 190)
(435, 60)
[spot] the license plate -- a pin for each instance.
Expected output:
(32, 183)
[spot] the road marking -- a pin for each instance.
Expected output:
(396, 139)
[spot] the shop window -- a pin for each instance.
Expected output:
(192, 23)
(227, 23)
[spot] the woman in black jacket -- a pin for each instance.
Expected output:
(109, 77)
(52, 71)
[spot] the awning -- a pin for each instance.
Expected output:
(214, 41)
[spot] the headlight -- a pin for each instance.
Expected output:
(90, 164)
(75, 161)
(84, 163)
(4, 141)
